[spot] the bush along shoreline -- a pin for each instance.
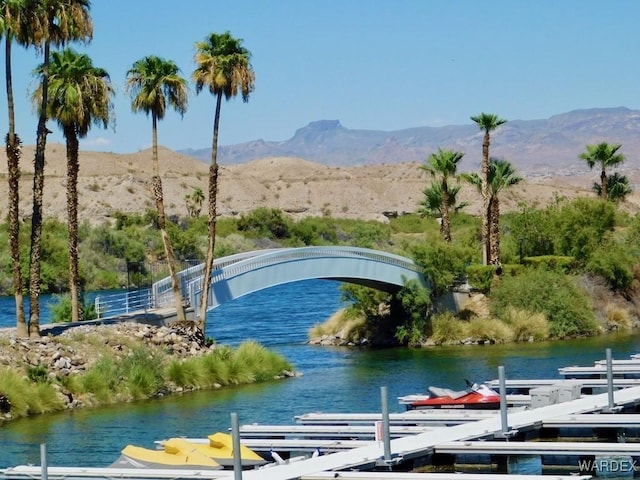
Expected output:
(93, 365)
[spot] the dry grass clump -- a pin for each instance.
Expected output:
(618, 318)
(526, 326)
(488, 330)
(446, 329)
(340, 325)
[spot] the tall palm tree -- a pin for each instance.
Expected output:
(12, 19)
(223, 66)
(617, 187)
(51, 22)
(155, 83)
(501, 175)
(487, 122)
(607, 156)
(79, 96)
(443, 165)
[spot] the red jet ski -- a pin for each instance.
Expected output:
(475, 396)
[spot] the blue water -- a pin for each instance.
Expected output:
(334, 379)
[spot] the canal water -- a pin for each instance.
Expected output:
(333, 379)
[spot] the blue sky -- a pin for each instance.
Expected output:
(372, 64)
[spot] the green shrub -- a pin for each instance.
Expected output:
(553, 294)
(480, 277)
(61, 309)
(614, 263)
(552, 262)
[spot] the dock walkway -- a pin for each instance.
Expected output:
(419, 445)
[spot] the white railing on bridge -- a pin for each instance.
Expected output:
(163, 289)
(123, 303)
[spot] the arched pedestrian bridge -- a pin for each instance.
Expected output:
(244, 273)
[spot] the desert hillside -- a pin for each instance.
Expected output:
(121, 182)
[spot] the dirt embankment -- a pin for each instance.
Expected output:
(110, 183)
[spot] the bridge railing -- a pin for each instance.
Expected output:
(122, 303)
(162, 290)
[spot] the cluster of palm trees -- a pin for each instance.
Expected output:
(77, 95)
(496, 175)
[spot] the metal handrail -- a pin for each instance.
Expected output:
(123, 303)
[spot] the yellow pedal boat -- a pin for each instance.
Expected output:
(220, 449)
(176, 453)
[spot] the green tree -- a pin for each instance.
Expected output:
(49, 22)
(12, 19)
(606, 156)
(443, 166)
(487, 122)
(79, 96)
(581, 226)
(154, 83)
(617, 187)
(223, 66)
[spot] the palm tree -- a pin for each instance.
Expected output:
(79, 95)
(502, 175)
(617, 187)
(223, 66)
(154, 83)
(443, 165)
(194, 202)
(487, 122)
(607, 156)
(54, 22)
(12, 18)
(432, 202)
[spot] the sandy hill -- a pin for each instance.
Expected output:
(121, 182)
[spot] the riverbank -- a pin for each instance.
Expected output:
(90, 365)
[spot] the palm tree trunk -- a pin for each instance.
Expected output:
(603, 185)
(211, 237)
(446, 220)
(13, 173)
(485, 198)
(38, 193)
(72, 220)
(494, 229)
(162, 226)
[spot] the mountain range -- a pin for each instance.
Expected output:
(535, 147)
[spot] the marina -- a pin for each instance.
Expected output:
(387, 445)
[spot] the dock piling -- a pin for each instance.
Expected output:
(386, 434)
(237, 455)
(43, 461)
